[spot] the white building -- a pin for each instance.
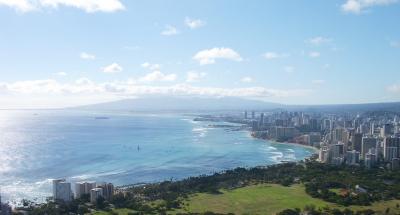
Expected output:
(62, 190)
(324, 155)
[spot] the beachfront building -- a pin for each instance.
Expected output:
(108, 190)
(82, 188)
(62, 190)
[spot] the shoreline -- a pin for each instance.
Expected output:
(242, 128)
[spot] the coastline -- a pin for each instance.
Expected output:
(44, 191)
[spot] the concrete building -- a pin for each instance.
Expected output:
(6, 209)
(395, 164)
(284, 132)
(367, 144)
(337, 150)
(324, 155)
(356, 141)
(391, 147)
(108, 190)
(386, 130)
(62, 190)
(95, 193)
(372, 129)
(352, 157)
(337, 161)
(313, 138)
(83, 188)
(370, 160)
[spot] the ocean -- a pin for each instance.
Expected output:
(122, 148)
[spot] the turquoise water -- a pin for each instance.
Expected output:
(37, 146)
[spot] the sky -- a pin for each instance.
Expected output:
(61, 53)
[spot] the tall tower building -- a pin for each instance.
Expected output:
(262, 119)
(367, 144)
(62, 190)
(83, 188)
(391, 146)
(356, 141)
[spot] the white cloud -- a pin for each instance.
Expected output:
(18, 5)
(326, 66)
(169, 31)
(289, 69)
(157, 76)
(61, 73)
(128, 88)
(150, 66)
(395, 88)
(87, 56)
(90, 6)
(358, 6)
(274, 55)
(193, 76)
(247, 79)
(112, 68)
(395, 44)
(319, 40)
(314, 54)
(194, 23)
(209, 56)
(319, 81)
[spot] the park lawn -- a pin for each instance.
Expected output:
(260, 199)
(380, 207)
(268, 199)
(123, 211)
(257, 199)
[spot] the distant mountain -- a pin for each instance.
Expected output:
(167, 103)
(366, 107)
(183, 104)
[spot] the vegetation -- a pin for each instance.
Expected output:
(323, 184)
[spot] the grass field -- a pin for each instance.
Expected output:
(118, 211)
(267, 199)
(261, 199)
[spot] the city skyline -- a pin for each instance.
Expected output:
(59, 53)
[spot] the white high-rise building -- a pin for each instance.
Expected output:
(324, 155)
(62, 190)
(83, 188)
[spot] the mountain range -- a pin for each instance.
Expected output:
(160, 103)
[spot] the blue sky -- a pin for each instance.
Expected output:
(57, 53)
